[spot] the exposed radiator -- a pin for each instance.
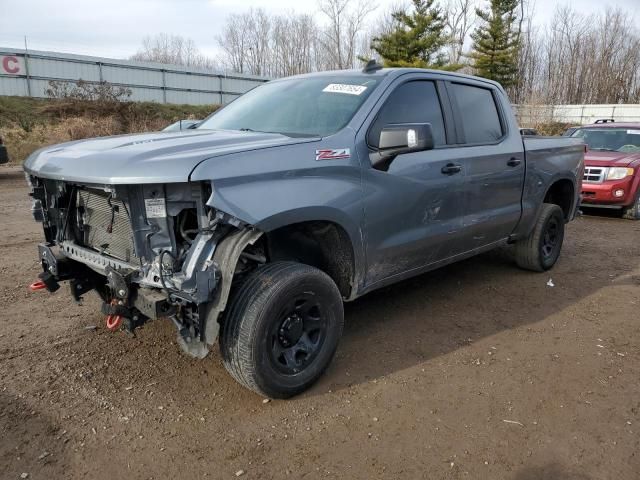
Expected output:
(106, 224)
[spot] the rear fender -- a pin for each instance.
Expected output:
(536, 190)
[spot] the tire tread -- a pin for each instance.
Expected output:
(239, 325)
(527, 253)
(633, 212)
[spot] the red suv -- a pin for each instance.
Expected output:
(612, 166)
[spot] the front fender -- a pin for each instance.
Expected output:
(332, 194)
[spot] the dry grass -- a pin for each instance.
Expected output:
(552, 128)
(28, 124)
(21, 142)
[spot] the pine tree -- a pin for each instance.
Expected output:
(496, 42)
(417, 40)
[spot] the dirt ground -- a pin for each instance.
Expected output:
(476, 371)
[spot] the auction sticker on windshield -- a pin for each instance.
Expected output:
(344, 88)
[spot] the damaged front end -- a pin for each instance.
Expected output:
(150, 251)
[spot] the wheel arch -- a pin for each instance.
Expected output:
(562, 192)
(321, 243)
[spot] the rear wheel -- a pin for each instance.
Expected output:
(541, 249)
(282, 329)
(633, 212)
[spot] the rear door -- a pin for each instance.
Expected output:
(494, 163)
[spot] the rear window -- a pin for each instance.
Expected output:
(480, 119)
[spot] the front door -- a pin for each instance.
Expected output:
(414, 210)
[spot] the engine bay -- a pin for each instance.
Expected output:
(149, 251)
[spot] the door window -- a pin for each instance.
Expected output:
(478, 113)
(411, 102)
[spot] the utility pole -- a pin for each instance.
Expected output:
(26, 66)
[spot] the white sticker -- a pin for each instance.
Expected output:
(155, 207)
(633, 132)
(344, 88)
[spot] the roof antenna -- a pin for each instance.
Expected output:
(372, 66)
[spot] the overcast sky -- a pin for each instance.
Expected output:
(115, 28)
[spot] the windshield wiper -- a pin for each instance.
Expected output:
(286, 134)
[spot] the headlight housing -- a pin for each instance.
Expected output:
(618, 173)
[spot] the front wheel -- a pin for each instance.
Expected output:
(541, 249)
(633, 212)
(282, 329)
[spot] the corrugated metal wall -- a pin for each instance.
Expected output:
(28, 74)
(531, 115)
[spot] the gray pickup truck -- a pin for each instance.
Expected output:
(253, 228)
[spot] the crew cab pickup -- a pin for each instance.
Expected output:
(612, 166)
(253, 228)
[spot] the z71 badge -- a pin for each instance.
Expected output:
(333, 154)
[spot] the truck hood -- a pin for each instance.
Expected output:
(160, 157)
(594, 158)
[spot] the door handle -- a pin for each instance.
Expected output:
(451, 168)
(514, 162)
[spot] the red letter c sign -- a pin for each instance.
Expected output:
(11, 64)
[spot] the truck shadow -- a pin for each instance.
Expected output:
(601, 212)
(551, 471)
(439, 312)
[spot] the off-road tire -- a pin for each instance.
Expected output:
(633, 212)
(247, 339)
(532, 252)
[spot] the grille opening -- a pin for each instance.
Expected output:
(594, 174)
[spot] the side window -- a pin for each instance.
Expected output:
(411, 102)
(479, 114)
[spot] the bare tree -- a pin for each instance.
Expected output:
(530, 65)
(234, 42)
(459, 19)
(294, 43)
(172, 49)
(257, 41)
(340, 39)
(575, 59)
(271, 45)
(591, 59)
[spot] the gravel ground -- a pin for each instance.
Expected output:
(478, 370)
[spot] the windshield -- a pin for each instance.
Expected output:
(312, 106)
(610, 139)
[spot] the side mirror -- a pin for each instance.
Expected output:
(398, 139)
